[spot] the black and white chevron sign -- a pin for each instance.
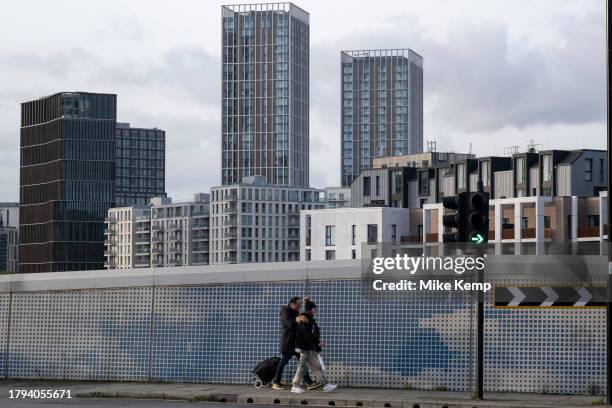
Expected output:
(580, 296)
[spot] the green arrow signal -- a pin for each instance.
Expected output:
(477, 238)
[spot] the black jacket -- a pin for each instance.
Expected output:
(308, 335)
(288, 325)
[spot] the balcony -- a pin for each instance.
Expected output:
(110, 252)
(110, 241)
(231, 233)
(431, 237)
(410, 239)
(231, 247)
(143, 230)
(588, 232)
(231, 197)
(230, 259)
(232, 222)
(200, 237)
(158, 227)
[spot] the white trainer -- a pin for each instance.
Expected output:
(329, 387)
(297, 389)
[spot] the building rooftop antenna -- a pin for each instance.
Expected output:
(533, 147)
(431, 146)
(510, 150)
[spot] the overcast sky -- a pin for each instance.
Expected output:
(497, 72)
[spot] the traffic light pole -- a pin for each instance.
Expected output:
(609, 143)
(480, 337)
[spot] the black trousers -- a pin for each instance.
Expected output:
(285, 358)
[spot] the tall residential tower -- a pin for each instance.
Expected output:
(265, 93)
(67, 180)
(382, 107)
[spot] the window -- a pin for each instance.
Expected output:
(601, 170)
(308, 255)
(461, 176)
(547, 167)
(377, 185)
(372, 233)
(520, 170)
(593, 221)
(330, 255)
(423, 183)
(353, 254)
(524, 223)
(393, 234)
(485, 174)
(330, 231)
(588, 169)
(353, 234)
(547, 221)
(366, 186)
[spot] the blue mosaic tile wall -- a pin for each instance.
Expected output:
(4, 315)
(218, 333)
(84, 334)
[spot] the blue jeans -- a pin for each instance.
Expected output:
(285, 358)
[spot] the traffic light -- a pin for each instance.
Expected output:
(458, 220)
(478, 218)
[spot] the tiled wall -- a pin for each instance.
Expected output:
(218, 333)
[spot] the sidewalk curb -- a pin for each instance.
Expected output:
(316, 401)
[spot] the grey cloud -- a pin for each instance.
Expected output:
(189, 71)
(476, 82)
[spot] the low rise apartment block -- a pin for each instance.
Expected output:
(255, 221)
(161, 234)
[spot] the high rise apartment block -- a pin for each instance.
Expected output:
(265, 93)
(382, 107)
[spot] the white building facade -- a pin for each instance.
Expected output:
(128, 238)
(339, 233)
(258, 222)
(337, 197)
(180, 231)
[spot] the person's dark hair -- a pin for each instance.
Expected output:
(294, 300)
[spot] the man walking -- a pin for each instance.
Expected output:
(308, 342)
(288, 326)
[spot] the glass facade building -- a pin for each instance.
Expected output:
(141, 164)
(67, 180)
(382, 107)
(265, 93)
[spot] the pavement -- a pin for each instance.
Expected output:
(249, 395)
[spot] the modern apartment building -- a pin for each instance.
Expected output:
(164, 233)
(67, 180)
(256, 221)
(180, 231)
(128, 238)
(382, 107)
(427, 159)
(9, 248)
(141, 164)
(545, 197)
(9, 214)
(337, 197)
(265, 93)
(341, 234)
